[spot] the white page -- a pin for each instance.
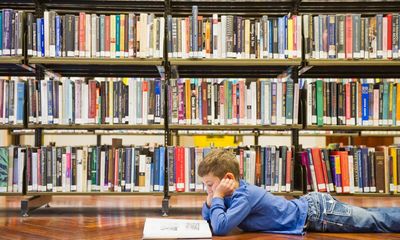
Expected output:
(155, 228)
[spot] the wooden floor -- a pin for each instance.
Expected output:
(122, 217)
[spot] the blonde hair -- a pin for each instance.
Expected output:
(219, 162)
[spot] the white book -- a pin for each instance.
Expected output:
(168, 228)
(44, 101)
(103, 187)
(316, 51)
(94, 32)
(384, 38)
(79, 170)
(299, 36)
(88, 36)
(162, 33)
(351, 173)
(184, 50)
(143, 35)
(215, 37)
(34, 173)
(46, 34)
(223, 36)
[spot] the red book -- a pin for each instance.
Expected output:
(180, 169)
(316, 157)
(288, 170)
(92, 99)
(349, 36)
(258, 165)
(389, 35)
(348, 102)
(116, 169)
(344, 168)
(82, 30)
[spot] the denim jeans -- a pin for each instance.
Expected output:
(326, 214)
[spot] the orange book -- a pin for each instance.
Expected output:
(288, 170)
(344, 169)
(258, 165)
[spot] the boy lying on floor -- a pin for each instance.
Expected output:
(234, 203)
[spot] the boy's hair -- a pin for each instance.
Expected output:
(219, 162)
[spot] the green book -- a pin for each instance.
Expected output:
(320, 102)
(3, 169)
(289, 101)
(117, 36)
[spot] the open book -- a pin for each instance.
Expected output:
(156, 228)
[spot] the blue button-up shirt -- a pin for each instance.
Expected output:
(253, 209)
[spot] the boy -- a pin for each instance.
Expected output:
(232, 202)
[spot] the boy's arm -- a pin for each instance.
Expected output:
(205, 212)
(224, 220)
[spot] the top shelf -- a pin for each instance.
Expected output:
(348, 6)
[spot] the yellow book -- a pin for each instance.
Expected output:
(398, 105)
(188, 106)
(390, 103)
(112, 36)
(290, 38)
(393, 153)
(122, 36)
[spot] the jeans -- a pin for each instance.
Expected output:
(326, 214)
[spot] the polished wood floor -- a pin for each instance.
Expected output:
(122, 217)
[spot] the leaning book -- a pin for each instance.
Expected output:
(160, 228)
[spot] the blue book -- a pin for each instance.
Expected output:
(156, 170)
(20, 102)
(58, 36)
(332, 37)
(157, 91)
(50, 103)
(267, 169)
(365, 102)
(1, 31)
(7, 31)
(271, 37)
(284, 33)
(161, 178)
(365, 169)
(194, 29)
(360, 170)
(42, 49)
(38, 30)
(128, 167)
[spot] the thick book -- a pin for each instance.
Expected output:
(157, 228)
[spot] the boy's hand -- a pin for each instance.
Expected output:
(210, 196)
(225, 187)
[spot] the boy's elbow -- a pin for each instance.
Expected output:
(220, 229)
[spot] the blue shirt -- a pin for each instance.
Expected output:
(253, 209)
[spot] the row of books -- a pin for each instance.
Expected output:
(82, 169)
(12, 25)
(340, 169)
(229, 36)
(233, 101)
(352, 169)
(96, 101)
(366, 102)
(350, 36)
(92, 35)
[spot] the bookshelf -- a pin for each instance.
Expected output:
(169, 68)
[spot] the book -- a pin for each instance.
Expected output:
(156, 228)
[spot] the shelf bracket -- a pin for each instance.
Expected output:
(33, 203)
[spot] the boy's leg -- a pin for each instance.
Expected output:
(326, 214)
